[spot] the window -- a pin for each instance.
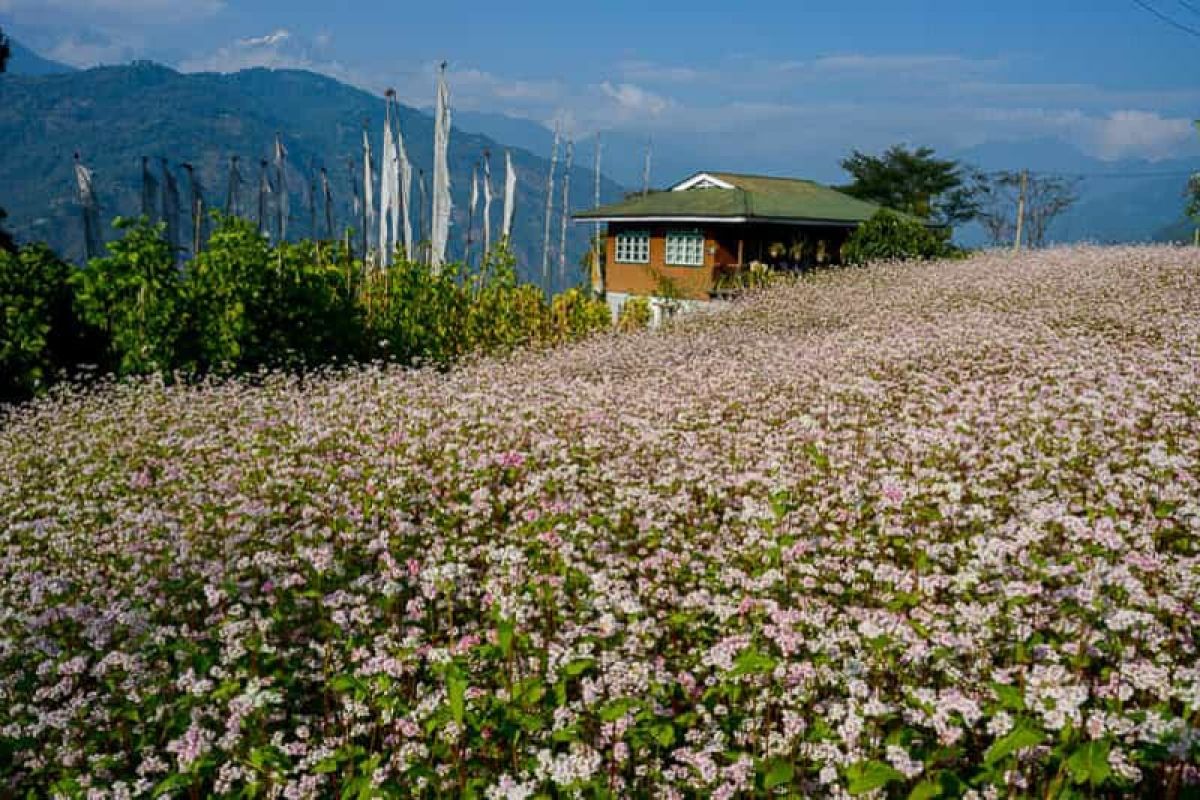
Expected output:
(685, 249)
(633, 247)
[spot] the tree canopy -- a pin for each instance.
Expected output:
(6, 241)
(912, 181)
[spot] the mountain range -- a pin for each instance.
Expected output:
(113, 116)
(1126, 200)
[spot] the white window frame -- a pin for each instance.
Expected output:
(692, 254)
(632, 247)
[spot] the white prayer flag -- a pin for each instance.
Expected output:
(405, 177)
(368, 195)
(487, 203)
(440, 217)
(510, 195)
(388, 184)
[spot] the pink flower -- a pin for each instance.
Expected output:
(511, 459)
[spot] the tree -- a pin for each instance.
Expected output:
(7, 245)
(887, 236)
(915, 182)
(1193, 196)
(998, 197)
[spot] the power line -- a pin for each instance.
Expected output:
(1100, 175)
(1174, 23)
(1134, 175)
(1192, 7)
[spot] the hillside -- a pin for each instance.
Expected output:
(24, 61)
(903, 531)
(115, 115)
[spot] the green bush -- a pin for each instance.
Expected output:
(635, 314)
(243, 304)
(888, 236)
(35, 319)
(573, 315)
(135, 296)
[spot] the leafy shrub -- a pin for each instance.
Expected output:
(573, 315)
(888, 236)
(635, 314)
(243, 304)
(35, 319)
(756, 276)
(135, 297)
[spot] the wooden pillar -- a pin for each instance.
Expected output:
(741, 252)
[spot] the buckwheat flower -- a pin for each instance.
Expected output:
(507, 788)
(899, 758)
(1000, 724)
(1122, 767)
(190, 747)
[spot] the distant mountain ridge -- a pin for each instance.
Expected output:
(24, 61)
(115, 115)
(1125, 200)
(623, 155)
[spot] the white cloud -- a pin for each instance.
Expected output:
(632, 101)
(933, 65)
(653, 72)
(279, 49)
(90, 49)
(1140, 133)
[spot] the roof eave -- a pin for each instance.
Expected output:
(794, 221)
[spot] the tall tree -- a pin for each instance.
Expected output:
(1193, 196)
(913, 181)
(1046, 198)
(6, 240)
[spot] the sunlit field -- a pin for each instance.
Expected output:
(910, 531)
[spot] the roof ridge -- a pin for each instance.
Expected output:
(756, 176)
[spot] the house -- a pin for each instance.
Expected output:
(694, 240)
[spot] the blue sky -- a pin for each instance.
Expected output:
(749, 85)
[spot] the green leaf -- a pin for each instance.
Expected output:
(926, 790)
(779, 773)
(752, 662)
(870, 775)
(664, 734)
(456, 690)
(1089, 763)
(504, 636)
(1010, 697)
(615, 709)
(1018, 738)
(577, 667)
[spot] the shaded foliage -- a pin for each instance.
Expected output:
(243, 305)
(887, 236)
(913, 181)
(35, 320)
(6, 240)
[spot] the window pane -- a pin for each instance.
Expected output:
(685, 248)
(633, 247)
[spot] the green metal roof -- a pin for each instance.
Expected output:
(754, 197)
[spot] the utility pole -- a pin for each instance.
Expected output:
(1021, 210)
(646, 167)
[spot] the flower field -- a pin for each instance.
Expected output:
(913, 531)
